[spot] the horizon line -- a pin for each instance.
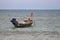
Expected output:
(29, 9)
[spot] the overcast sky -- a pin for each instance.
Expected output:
(29, 4)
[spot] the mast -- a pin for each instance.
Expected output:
(31, 15)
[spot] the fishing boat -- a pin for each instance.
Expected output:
(26, 23)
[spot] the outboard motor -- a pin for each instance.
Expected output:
(14, 22)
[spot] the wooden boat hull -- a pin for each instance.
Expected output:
(23, 25)
(17, 25)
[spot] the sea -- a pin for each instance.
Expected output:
(43, 20)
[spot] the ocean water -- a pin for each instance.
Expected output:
(44, 20)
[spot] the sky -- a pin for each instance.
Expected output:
(29, 4)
